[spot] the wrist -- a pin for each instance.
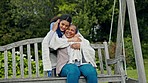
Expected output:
(54, 29)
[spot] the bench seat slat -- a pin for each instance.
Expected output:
(101, 78)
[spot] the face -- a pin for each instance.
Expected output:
(64, 25)
(70, 32)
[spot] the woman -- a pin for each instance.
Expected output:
(73, 63)
(58, 25)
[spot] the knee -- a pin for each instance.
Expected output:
(88, 70)
(91, 73)
(73, 70)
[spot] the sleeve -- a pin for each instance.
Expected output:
(51, 25)
(57, 42)
(45, 51)
(88, 51)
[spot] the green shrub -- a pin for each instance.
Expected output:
(129, 53)
(18, 72)
(144, 50)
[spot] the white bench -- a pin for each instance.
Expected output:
(32, 47)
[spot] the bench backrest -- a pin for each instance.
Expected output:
(23, 59)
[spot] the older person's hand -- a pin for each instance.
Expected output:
(75, 46)
(74, 39)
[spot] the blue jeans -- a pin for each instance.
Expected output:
(73, 72)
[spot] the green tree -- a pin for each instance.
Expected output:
(22, 19)
(89, 13)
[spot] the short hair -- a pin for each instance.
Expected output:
(76, 28)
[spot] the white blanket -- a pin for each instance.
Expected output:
(87, 50)
(57, 42)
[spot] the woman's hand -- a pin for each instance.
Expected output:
(55, 25)
(75, 46)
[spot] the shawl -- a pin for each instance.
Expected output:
(85, 49)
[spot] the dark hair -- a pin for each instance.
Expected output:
(54, 19)
(77, 30)
(66, 17)
(62, 17)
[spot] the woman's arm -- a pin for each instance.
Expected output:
(45, 51)
(45, 47)
(57, 42)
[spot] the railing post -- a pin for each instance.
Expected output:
(136, 41)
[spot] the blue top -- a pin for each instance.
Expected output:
(58, 31)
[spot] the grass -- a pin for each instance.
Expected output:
(133, 73)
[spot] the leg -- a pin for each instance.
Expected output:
(89, 73)
(71, 71)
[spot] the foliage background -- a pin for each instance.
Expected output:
(23, 19)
